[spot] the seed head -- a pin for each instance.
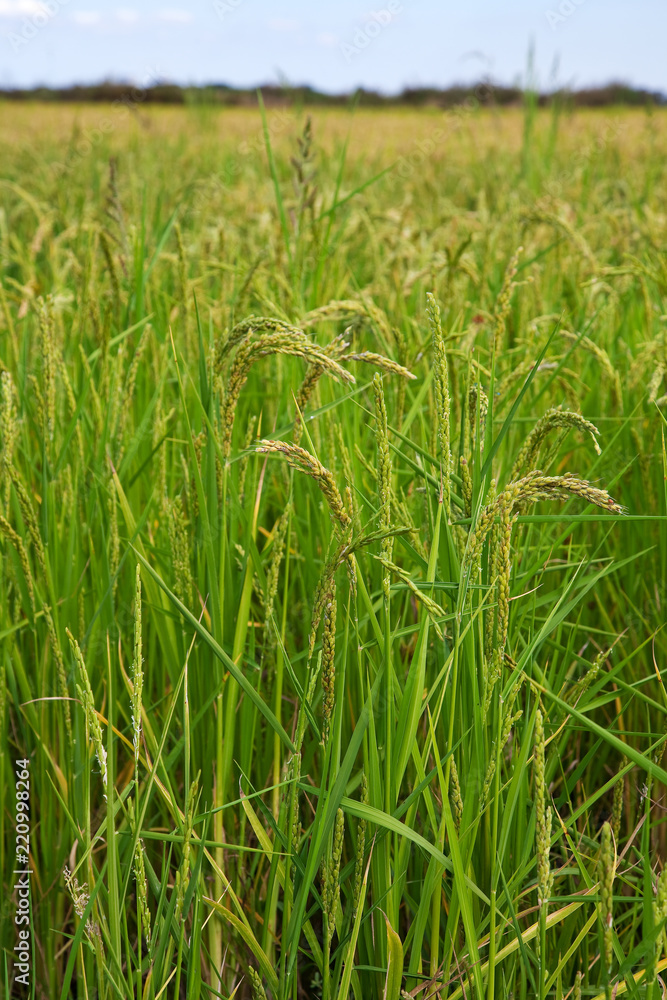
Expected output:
(29, 516)
(329, 663)
(183, 873)
(142, 891)
(49, 362)
(361, 847)
(8, 426)
(503, 301)
(137, 671)
(16, 540)
(88, 702)
(660, 911)
(556, 417)
(434, 609)
(180, 543)
(383, 476)
(292, 342)
(455, 794)
(606, 871)
(442, 400)
(475, 393)
(258, 991)
(303, 461)
(379, 361)
(543, 816)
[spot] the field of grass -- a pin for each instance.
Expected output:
(333, 552)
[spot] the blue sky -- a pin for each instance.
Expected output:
(382, 44)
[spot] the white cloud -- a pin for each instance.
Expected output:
(127, 15)
(284, 24)
(175, 16)
(86, 17)
(327, 39)
(20, 8)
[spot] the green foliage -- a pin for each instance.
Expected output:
(344, 686)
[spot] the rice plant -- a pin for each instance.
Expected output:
(333, 556)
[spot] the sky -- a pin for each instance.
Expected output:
(334, 46)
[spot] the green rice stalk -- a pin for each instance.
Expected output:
(294, 343)
(591, 674)
(383, 480)
(442, 400)
(606, 871)
(49, 358)
(180, 544)
(129, 389)
(655, 383)
(142, 892)
(350, 309)
(277, 553)
(434, 610)
(509, 718)
(112, 267)
(559, 222)
(531, 489)
(503, 561)
(114, 537)
(466, 487)
(183, 293)
(8, 428)
(93, 728)
(17, 542)
(137, 672)
(379, 361)
(60, 670)
(116, 377)
(248, 327)
(503, 302)
(80, 896)
(243, 465)
(29, 517)
(617, 804)
(258, 991)
(292, 778)
(474, 393)
(604, 361)
(660, 912)
(456, 798)
(95, 396)
(361, 848)
(329, 664)
(183, 873)
(333, 350)
(346, 464)
(36, 394)
(553, 418)
(303, 461)
(542, 827)
(331, 885)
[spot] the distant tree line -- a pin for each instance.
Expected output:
(485, 93)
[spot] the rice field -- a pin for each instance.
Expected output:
(333, 554)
